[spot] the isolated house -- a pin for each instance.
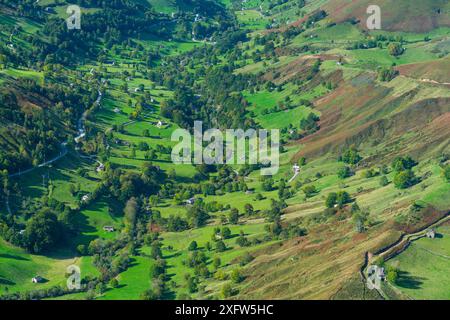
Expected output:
(296, 168)
(190, 201)
(108, 228)
(85, 198)
(381, 275)
(80, 137)
(101, 167)
(431, 234)
(37, 279)
(378, 272)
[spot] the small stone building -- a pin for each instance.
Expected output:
(108, 228)
(431, 234)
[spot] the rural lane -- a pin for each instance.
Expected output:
(63, 146)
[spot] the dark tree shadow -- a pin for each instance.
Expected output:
(172, 255)
(6, 282)
(406, 280)
(12, 256)
(133, 263)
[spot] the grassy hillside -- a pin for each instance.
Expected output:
(396, 15)
(422, 267)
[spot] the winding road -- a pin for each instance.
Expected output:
(8, 208)
(63, 153)
(80, 124)
(63, 147)
(63, 150)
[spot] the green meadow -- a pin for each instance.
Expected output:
(424, 268)
(17, 268)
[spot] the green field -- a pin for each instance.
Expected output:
(251, 19)
(17, 268)
(424, 268)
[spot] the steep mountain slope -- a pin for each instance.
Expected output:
(34, 122)
(408, 114)
(383, 120)
(435, 72)
(396, 15)
(319, 266)
(382, 117)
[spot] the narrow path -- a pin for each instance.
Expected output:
(433, 252)
(401, 244)
(80, 124)
(424, 80)
(129, 123)
(82, 129)
(63, 152)
(245, 177)
(8, 208)
(295, 176)
(434, 81)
